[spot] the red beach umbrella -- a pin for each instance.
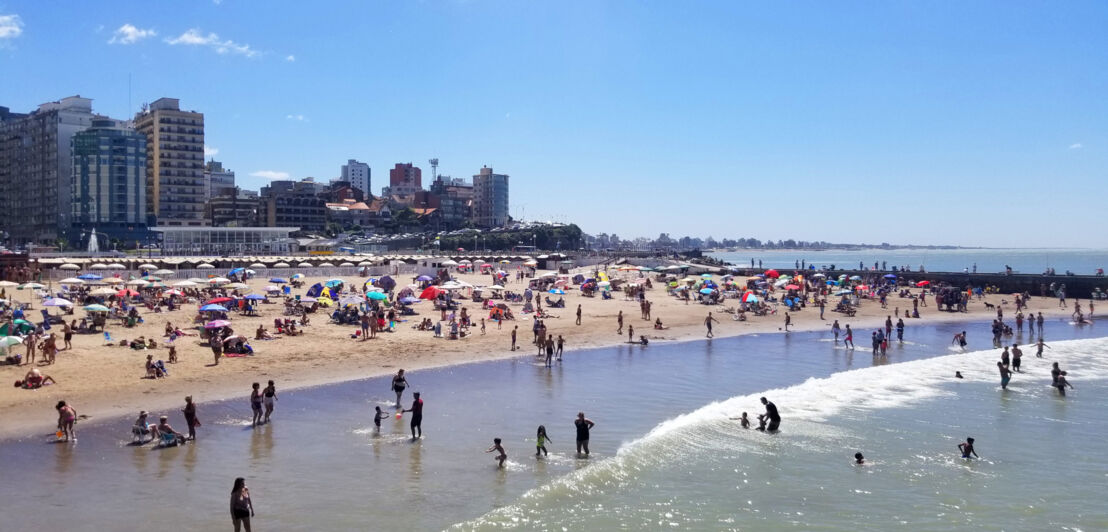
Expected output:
(922, 284)
(126, 292)
(218, 300)
(772, 273)
(431, 292)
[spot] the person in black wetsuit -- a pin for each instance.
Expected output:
(772, 415)
(583, 425)
(417, 416)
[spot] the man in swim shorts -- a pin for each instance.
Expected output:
(417, 416)
(772, 415)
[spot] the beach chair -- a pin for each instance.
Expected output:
(108, 337)
(168, 440)
(139, 434)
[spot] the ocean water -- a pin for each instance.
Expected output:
(665, 454)
(1034, 261)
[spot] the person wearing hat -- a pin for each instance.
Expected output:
(165, 428)
(141, 429)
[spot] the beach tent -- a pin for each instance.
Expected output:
(386, 283)
(315, 290)
(431, 292)
(19, 326)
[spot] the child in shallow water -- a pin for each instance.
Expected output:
(496, 447)
(540, 441)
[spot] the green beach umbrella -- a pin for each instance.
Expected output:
(377, 296)
(96, 308)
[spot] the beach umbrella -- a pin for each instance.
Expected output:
(855, 277)
(333, 283)
(772, 273)
(205, 266)
(163, 272)
(557, 291)
(147, 267)
(257, 265)
(922, 284)
(213, 308)
(152, 278)
(749, 297)
(218, 300)
(32, 286)
(365, 263)
(69, 266)
(98, 267)
(197, 280)
(278, 280)
(297, 276)
(861, 287)
(137, 282)
(409, 300)
(423, 278)
(377, 296)
(304, 265)
(255, 297)
(431, 292)
(185, 284)
(234, 271)
(105, 291)
(116, 266)
(373, 289)
(57, 302)
(820, 275)
(272, 288)
(281, 265)
(449, 262)
(9, 341)
(705, 276)
(96, 308)
(8, 284)
(173, 292)
(126, 292)
(792, 287)
(71, 280)
(236, 286)
(706, 291)
(321, 265)
(113, 280)
(219, 280)
(843, 292)
(216, 324)
(890, 276)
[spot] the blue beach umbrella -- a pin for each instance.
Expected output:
(410, 300)
(278, 280)
(377, 296)
(255, 297)
(557, 291)
(423, 278)
(706, 291)
(89, 277)
(890, 276)
(843, 292)
(213, 308)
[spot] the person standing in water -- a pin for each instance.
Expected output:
(417, 416)
(1039, 322)
(835, 329)
(190, 417)
(1017, 354)
(772, 415)
(256, 404)
(1061, 383)
(859, 459)
(849, 339)
(967, 449)
(242, 508)
(900, 330)
(496, 447)
(1005, 375)
(67, 419)
(1039, 348)
(708, 323)
(540, 441)
(399, 383)
(269, 395)
(378, 415)
(583, 425)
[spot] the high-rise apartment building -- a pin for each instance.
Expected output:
(293, 204)
(358, 175)
(490, 199)
(109, 181)
(405, 180)
(218, 181)
(175, 188)
(36, 168)
(454, 199)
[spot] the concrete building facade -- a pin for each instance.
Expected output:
(454, 199)
(404, 180)
(175, 187)
(234, 208)
(358, 175)
(218, 181)
(293, 204)
(36, 168)
(109, 181)
(490, 199)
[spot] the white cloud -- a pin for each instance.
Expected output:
(298, 118)
(270, 174)
(210, 151)
(290, 58)
(129, 34)
(194, 37)
(11, 26)
(1076, 146)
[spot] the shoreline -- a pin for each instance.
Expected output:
(295, 367)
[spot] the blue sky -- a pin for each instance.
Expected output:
(974, 123)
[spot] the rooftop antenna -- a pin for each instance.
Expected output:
(434, 162)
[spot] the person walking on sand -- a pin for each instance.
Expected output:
(708, 323)
(584, 425)
(499, 449)
(849, 339)
(190, 417)
(256, 404)
(630, 333)
(619, 322)
(540, 442)
(417, 416)
(269, 396)
(400, 383)
(578, 314)
(242, 508)
(835, 329)
(1005, 375)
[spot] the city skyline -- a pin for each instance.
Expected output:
(900, 124)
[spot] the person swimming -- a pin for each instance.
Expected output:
(967, 449)
(958, 375)
(859, 459)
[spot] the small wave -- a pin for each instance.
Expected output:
(804, 408)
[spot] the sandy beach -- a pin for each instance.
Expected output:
(102, 381)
